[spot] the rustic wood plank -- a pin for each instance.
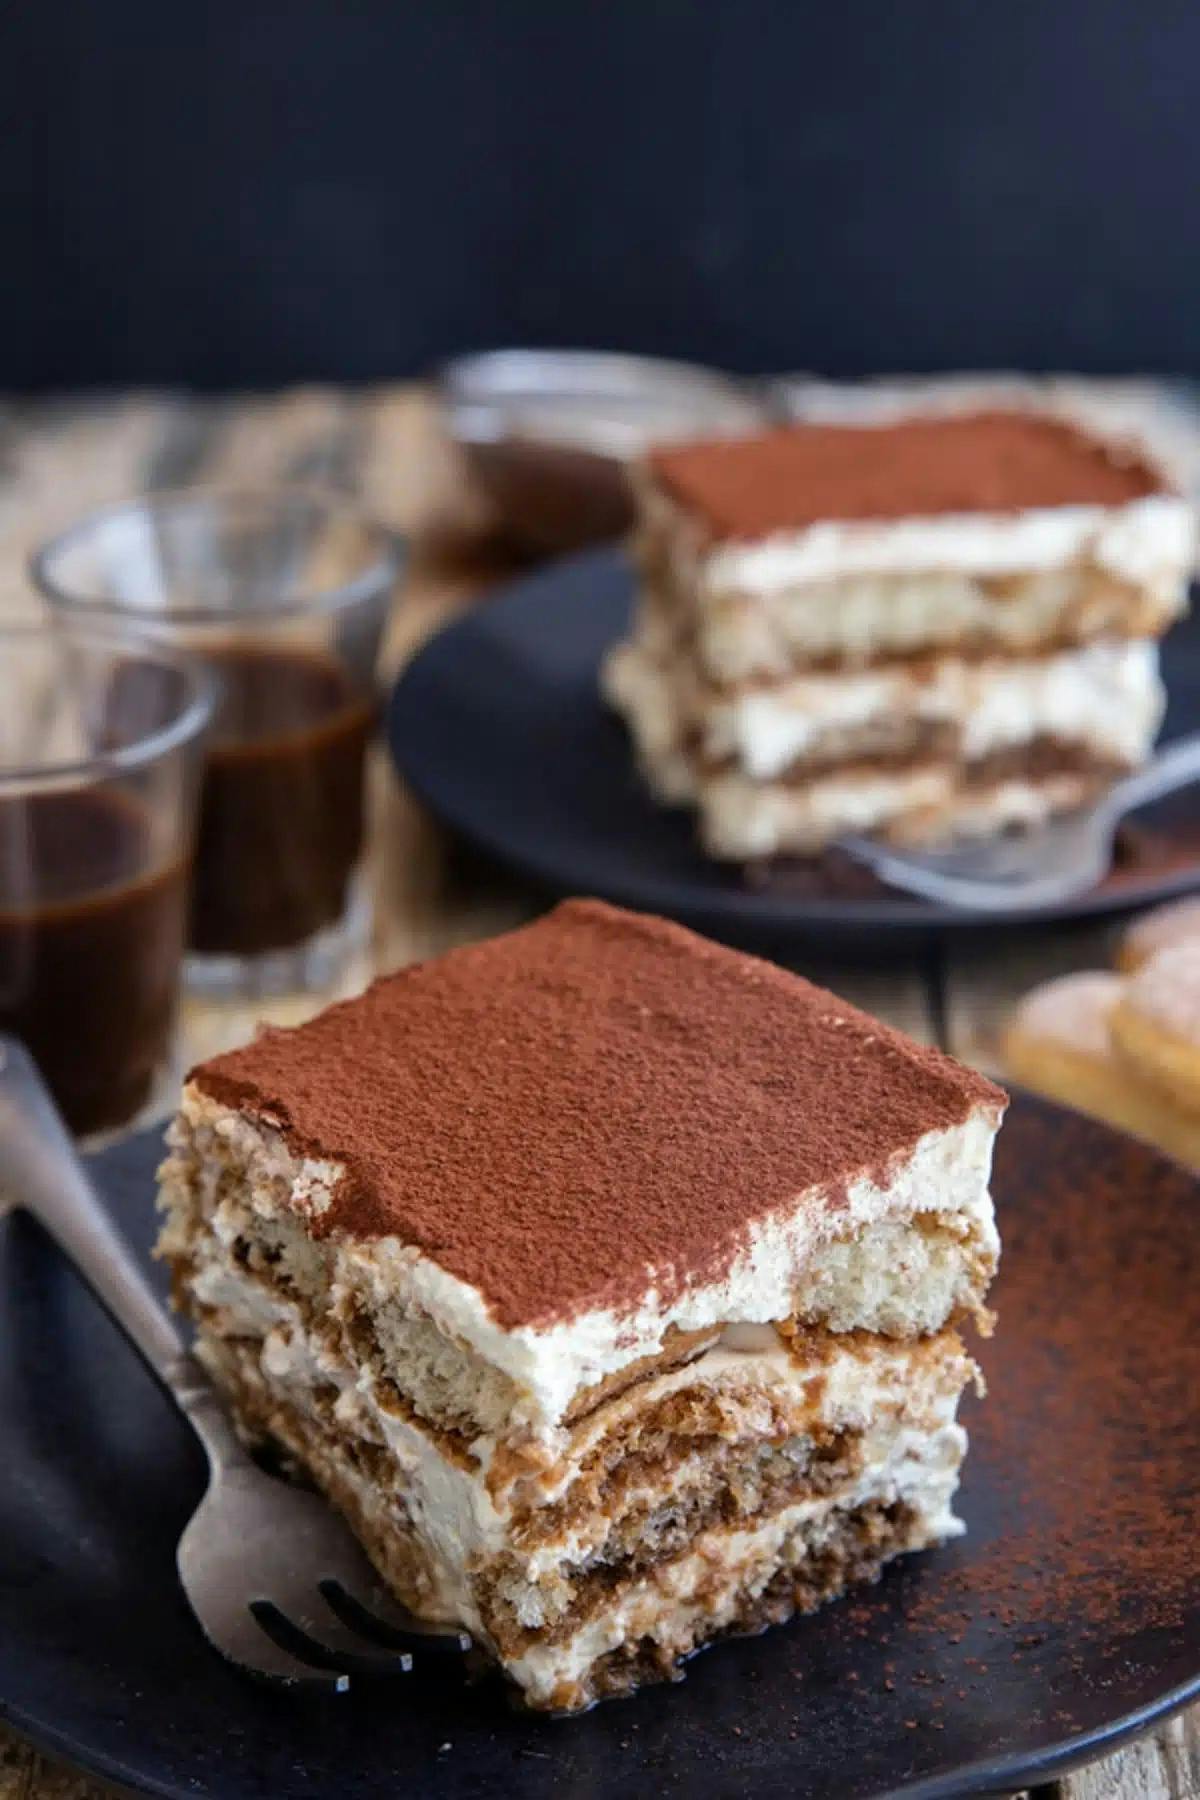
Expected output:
(1163, 1766)
(61, 459)
(24, 1775)
(304, 434)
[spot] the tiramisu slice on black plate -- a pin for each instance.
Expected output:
(606, 1279)
(942, 625)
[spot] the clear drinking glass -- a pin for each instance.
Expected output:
(285, 594)
(100, 750)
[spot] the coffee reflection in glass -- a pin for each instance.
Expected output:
(285, 595)
(99, 764)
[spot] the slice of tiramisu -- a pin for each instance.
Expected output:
(606, 1279)
(932, 625)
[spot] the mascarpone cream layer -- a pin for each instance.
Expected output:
(1107, 697)
(884, 1390)
(702, 1591)
(858, 592)
(1139, 542)
(799, 1242)
(1136, 543)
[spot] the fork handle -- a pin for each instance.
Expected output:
(1173, 767)
(41, 1171)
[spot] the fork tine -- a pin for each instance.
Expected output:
(325, 1643)
(383, 1620)
(1011, 874)
(256, 1652)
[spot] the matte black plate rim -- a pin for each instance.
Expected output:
(998, 1778)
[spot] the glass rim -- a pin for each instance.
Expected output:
(191, 720)
(384, 567)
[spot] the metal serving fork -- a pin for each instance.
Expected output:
(1040, 867)
(275, 1579)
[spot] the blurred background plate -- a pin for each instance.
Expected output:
(498, 726)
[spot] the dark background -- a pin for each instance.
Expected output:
(224, 193)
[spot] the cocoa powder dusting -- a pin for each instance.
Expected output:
(994, 462)
(595, 1105)
(1082, 1487)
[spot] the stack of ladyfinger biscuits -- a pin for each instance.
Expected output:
(1123, 1045)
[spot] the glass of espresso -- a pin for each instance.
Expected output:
(100, 745)
(285, 595)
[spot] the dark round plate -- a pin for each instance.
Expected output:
(1068, 1617)
(498, 726)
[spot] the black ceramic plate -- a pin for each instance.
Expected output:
(1068, 1617)
(498, 726)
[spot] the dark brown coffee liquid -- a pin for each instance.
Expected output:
(89, 961)
(281, 808)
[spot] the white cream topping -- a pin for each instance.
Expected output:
(1107, 696)
(944, 1178)
(1135, 542)
(946, 1175)
(859, 590)
(768, 729)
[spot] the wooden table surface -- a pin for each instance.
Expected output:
(57, 459)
